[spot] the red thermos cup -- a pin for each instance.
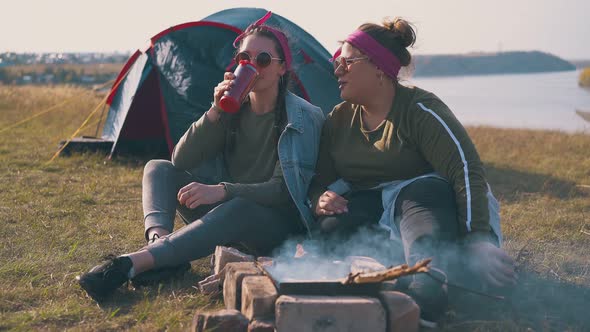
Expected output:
(233, 98)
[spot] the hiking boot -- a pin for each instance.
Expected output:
(105, 278)
(431, 295)
(155, 276)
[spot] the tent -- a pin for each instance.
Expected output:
(160, 91)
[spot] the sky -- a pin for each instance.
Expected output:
(559, 27)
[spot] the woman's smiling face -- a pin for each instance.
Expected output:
(357, 76)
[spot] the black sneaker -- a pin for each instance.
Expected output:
(155, 276)
(105, 278)
(431, 295)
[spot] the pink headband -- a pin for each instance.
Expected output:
(280, 36)
(383, 58)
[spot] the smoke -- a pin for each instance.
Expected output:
(536, 301)
(329, 257)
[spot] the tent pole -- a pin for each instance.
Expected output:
(100, 119)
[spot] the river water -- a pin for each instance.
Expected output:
(536, 101)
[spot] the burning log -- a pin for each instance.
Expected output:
(389, 274)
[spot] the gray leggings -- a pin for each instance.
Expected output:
(235, 222)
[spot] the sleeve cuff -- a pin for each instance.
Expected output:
(230, 190)
(313, 201)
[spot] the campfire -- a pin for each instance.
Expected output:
(308, 292)
(356, 275)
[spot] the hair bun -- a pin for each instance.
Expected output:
(403, 30)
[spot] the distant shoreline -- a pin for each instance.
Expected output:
(423, 65)
(488, 64)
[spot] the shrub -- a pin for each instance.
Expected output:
(585, 78)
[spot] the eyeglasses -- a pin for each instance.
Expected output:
(262, 59)
(346, 62)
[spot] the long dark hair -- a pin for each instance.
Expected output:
(284, 83)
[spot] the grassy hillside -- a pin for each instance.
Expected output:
(60, 219)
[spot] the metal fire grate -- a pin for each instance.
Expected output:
(300, 285)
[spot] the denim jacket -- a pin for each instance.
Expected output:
(298, 150)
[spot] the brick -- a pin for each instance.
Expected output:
(261, 326)
(224, 255)
(232, 285)
(218, 321)
(258, 297)
(403, 314)
(265, 261)
(210, 285)
(329, 313)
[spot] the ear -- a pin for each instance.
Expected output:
(283, 69)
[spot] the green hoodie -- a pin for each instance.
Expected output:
(420, 135)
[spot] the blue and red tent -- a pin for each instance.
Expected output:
(160, 91)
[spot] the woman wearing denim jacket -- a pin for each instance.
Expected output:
(396, 157)
(267, 153)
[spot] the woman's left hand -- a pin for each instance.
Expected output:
(195, 194)
(331, 203)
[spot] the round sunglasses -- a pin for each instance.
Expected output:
(262, 59)
(346, 62)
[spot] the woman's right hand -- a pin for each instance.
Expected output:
(195, 194)
(215, 111)
(331, 203)
(223, 86)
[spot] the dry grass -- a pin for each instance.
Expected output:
(60, 219)
(542, 180)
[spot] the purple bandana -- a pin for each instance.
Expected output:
(377, 53)
(278, 35)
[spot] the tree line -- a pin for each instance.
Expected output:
(83, 74)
